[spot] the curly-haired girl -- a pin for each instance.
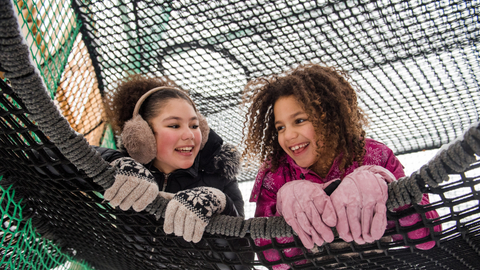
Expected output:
(308, 128)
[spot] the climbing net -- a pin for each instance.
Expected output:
(66, 207)
(416, 63)
(428, 64)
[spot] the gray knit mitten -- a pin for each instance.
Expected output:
(189, 212)
(134, 185)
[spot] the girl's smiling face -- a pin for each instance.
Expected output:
(296, 134)
(177, 135)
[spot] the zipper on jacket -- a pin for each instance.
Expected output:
(165, 182)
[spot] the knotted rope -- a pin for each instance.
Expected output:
(27, 83)
(453, 157)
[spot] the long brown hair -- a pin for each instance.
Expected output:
(328, 99)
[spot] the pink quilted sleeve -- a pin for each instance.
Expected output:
(393, 164)
(413, 219)
(266, 204)
(266, 198)
(273, 255)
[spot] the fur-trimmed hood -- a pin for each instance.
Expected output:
(217, 157)
(228, 161)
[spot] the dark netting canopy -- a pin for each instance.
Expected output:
(415, 62)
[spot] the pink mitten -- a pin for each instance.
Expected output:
(308, 210)
(359, 202)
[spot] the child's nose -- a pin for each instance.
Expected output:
(187, 134)
(290, 133)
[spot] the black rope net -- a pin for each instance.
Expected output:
(65, 206)
(60, 187)
(416, 62)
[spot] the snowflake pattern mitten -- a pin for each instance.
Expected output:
(189, 212)
(134, 185)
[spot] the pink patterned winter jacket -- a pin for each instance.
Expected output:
(267, 184)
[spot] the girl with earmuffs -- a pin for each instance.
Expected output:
(167, 148)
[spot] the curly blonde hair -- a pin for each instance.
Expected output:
(330, 102)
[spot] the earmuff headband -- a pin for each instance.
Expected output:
(138, 137)
(156, 89)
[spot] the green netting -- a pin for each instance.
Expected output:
(417, 62)
(50, 28)
(108, 139)
(21, 247)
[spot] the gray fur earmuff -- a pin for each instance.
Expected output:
(137, 135)
(139, 140)
(204, 129)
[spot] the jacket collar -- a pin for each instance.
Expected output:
(288, 166)
(297, 169)
(187, 176)
(219, 158)
(210, 150)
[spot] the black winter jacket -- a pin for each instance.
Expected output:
(216, 165)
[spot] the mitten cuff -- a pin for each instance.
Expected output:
(230, 209)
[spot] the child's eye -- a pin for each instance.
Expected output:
(280, 128)
(299, 121)
(174, 126)
(194, 126)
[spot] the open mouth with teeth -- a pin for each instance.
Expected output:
(299, 147)
(184, 149)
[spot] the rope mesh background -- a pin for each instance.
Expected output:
(78, 95)
(65, 207)
(417, 62)
(21, 247)
(50, 28)
(52, 31)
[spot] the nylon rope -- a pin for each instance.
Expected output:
(29, 86)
